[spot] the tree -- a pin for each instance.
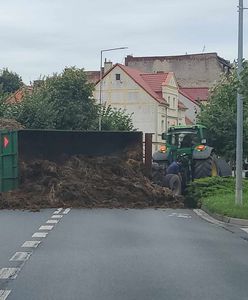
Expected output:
(116, 119)
(10, 82)
(219, 116)
(65, 101)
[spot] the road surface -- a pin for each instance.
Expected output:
(120, 255)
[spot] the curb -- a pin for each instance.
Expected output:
(225, 219)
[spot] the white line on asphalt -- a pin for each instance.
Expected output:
(46, 227)
(57, 211)
(4, 294)
(21, 256)
(9, 273)
(57, 216)
(184, 216)
(52, 221)
(40, 234)
(179, 215)
(66, 211)
(245, 229)
(173, 215)
(31, 244)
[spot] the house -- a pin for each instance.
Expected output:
(152, 99)
(92, 76)
(197, 94)
(193, 106)
(191, 70)
(19, 94)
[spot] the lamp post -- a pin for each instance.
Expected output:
(239, 145)
(100, 91)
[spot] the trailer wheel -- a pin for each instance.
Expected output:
(173, 182)
(205, 168)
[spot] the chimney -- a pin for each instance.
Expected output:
(107, 66)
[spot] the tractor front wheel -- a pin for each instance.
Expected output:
(173, 182)
(205, 168)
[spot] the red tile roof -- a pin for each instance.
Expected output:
(151, 83)
(195, 94)
(19, 94)
(155, 81)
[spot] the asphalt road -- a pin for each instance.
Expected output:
(121, 255)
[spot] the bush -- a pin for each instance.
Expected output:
(208, 187)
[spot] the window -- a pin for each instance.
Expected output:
(162, 125)
(169, 100)
(117, 76)
(174, 102)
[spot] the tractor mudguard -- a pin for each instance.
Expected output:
(157, 156)
(204, 154)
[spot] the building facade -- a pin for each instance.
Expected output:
(152, 99)
(193, 70)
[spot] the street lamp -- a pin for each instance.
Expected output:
(239, 145)
(100, 92)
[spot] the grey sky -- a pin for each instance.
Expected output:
(39, 37)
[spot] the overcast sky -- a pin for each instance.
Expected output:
(40, 37)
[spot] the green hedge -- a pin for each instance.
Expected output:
(203, 188)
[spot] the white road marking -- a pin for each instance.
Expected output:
(186, 216)
(4, 294)
(58, 211)
(40, 234)
(66, 211)
(46, 227)
(21, 256)
(180, 215)
(9, 273)
(57, 216)
(245, 229)
(52, 221)
(31, 244)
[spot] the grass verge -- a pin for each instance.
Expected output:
(217, 195)
(225, 205)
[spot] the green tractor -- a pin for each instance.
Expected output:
(188, 146)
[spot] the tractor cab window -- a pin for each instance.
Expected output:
(189, 140)
(184, 139)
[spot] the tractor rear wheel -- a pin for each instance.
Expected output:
(205, 168)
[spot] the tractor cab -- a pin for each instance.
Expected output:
(183, 140)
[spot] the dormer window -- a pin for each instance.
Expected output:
(117, 76)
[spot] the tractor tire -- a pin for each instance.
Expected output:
(173, 182)
(205, 168)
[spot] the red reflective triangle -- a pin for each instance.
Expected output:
(5, 142)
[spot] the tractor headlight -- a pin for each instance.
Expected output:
(200, 148)
(163, 149)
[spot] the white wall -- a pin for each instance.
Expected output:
(181, 117)
(148, 115)
(170, 93)
(193, 109)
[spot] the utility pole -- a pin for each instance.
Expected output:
(239, 143)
